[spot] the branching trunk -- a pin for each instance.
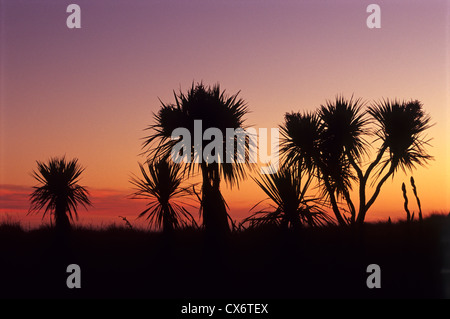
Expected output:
(362, 214)
(363, 179)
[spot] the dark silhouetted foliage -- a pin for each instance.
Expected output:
(59, 191)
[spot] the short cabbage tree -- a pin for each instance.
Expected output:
(59, 192)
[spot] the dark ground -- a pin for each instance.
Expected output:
(312, 263)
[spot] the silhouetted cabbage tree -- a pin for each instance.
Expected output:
(290, 206)
(59, 191)
(333, 145)
(216, 110)
(400, 128)
(161, 186)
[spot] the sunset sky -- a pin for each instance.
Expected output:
(90, 93)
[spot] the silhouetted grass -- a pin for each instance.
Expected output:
(8, 224)
(265, 262)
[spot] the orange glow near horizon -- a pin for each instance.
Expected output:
(89, 93)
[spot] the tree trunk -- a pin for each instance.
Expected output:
(215, 216)
(293, 219)
(167, 220)
(62, 223)
(334, 205)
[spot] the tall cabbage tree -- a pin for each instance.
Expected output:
(215, 109)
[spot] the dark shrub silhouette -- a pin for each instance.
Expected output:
(291, 206)
(59, 192)
(161, 186)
